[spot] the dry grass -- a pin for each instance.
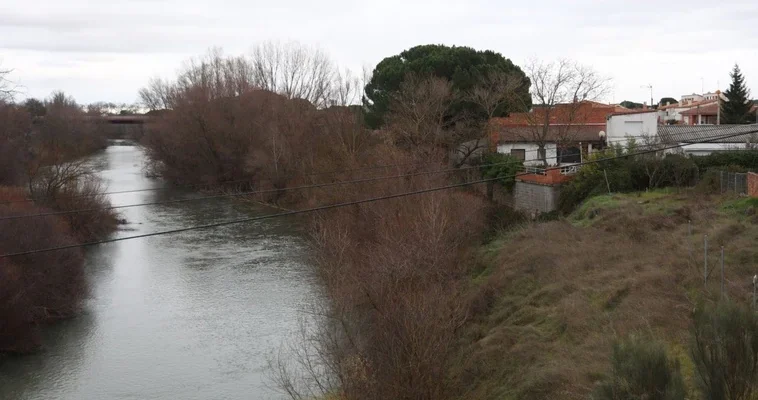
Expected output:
(554, 296)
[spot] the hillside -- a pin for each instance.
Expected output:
(550, 298)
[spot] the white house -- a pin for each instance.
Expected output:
(696, 139)
(690, 98)
(564, 144)
(701, 140)
(622, 126)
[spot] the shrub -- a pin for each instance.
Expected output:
(14, 125)
(72, 186)
(626, 175)
(641, 370)
(36, 288)
(710, 182)
(725, 351)
(738, 160)
(505, 170)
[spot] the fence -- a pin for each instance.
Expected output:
(735, 182)
(565, 170)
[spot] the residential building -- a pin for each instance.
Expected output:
(698, 140)
(688, 99)
(705, 112)
(671, 113)
(573, 129)
(692, 109)
(638, 125)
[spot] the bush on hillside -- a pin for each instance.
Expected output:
(725, 351)
(735, 161)
(626, 174)
(503, 167)
(640, 369)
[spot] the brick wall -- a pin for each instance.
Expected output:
(529, 196)
(752, 184)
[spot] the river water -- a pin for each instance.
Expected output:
(193, 315)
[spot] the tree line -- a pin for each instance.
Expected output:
(43, 170)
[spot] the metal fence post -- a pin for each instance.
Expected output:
(722, 272)
(705, 261)
(755, 280)
(736, 189)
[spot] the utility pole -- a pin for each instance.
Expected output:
(649, 86)
(718, 110)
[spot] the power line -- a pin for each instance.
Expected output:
(327, 207)
(248, 193)
(248, 180)
(251, 219)
(320, 185)
(308, 175)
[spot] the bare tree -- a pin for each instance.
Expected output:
(346, 89)
(559, 91)
(495, 91)
(418, 111)
(7, 88)
(157, 95)
(652, 161)
(293, 70)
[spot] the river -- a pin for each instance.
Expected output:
(193, 315)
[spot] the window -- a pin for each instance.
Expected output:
(569, 155)
(519, 154)
(541, 154)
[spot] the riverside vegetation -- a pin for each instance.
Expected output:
(447, 295)
(43, 161)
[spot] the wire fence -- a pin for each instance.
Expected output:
(734, 182)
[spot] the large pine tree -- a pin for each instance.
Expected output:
(736, 109)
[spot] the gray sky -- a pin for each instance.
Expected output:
(108, 50)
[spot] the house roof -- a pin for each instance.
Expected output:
(701, 133)
(556, 133)
(704, 109)
(708, 109)
(632, 112)
(700, 103)
(587, 112)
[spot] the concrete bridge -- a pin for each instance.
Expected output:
(116, 126)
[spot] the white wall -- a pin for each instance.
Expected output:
(704, 149)
(674, 113)
(619, 127)
(551, 151)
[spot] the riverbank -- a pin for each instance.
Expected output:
(184, 316)
(551, 298)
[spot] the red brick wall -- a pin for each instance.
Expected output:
(551, 177)
(752, 184)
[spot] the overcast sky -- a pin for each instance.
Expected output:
(106, 51)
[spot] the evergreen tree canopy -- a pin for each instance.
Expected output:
(464, 67)
(630, 104)
(736, 108)
(669, 100)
